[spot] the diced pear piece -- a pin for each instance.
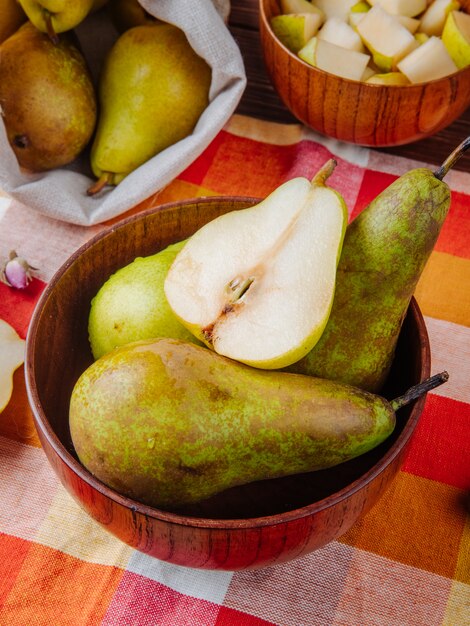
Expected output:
(409, 8)
(257, 285)
(410, 23)
(354, 19)
(12, 349)
(341, 34)
(294, 30)
(387, 39)
(428, 62)
(390, 78)
(456, 37)
(334, 59)
(368, 72)
(336, 8)
(434, 18)
(300, 6)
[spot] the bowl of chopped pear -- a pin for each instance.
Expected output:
(372, 73)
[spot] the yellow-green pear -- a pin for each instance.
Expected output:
(257, 285)
(153, 89)
(170, 423)
(456, 37)
(131, 305)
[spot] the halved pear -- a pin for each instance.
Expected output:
(428, 62)
(434, 18)
(387, 39)
(12, 349)
(257, 285)
(456, 37)
(295, 29)
(409, 8)
(341, 34)
(334, 59)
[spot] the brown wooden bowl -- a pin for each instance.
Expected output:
(356, 112)
(246, 527)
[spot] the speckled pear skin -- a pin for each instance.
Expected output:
(385, 250)
(170, 423)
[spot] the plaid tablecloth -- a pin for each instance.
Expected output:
(407, 562)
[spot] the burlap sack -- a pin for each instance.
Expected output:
(61, 193)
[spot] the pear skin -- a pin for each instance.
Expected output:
(385, 250)
(12, 17)
(153, 90)
(169, 423)
(131, 305)
(48, 99)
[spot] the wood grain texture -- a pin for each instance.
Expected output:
(246, 527)
(261, 100)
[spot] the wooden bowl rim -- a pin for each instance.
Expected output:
(413, 86)
(44, 428)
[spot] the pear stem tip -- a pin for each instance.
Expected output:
(420, 389)
(98, 185)
(325, 172)
(452, 159)
(53, 36)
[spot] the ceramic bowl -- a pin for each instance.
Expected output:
(356, 112)
(252, 526)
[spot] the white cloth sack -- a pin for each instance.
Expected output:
(61, 193)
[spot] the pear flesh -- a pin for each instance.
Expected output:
(169, 423)
(456, 38)
(428, 62)
(257, 285)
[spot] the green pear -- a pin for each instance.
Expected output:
(153, 89)
(48, 100)
(131, 305)
(385, 250)
(169, 423)
(11, 18)
(56, 16)
(257, 284)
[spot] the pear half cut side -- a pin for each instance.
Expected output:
(257, 285)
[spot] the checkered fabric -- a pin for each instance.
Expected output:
(406, 562)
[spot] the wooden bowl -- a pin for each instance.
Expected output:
(246, 527)
(356, 112)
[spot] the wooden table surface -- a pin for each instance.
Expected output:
(261, 101)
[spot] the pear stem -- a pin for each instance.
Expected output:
(97, 186)
(324, 172)
(53, 36)
(452, 159)
(420, 389)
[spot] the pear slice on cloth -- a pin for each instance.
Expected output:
(11, 357)
(257, 285)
